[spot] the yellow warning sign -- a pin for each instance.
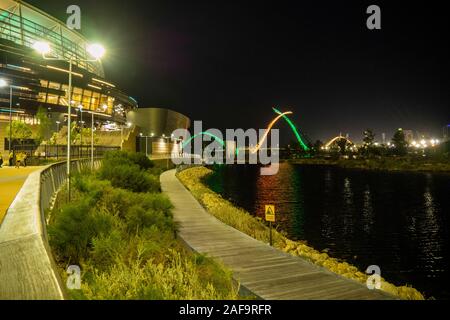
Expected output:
(270, 213)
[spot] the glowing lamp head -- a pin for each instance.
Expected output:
(42, 47)
(3, 83)
(96, 50)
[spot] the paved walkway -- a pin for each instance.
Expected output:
(26, 268)
(11, 180)
(266, 272)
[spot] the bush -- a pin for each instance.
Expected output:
(74, 228)
(157, 202)
(174, 279)
(124, 239)
(115, 158)
(86, 183)
(106, 248)
(129, 177)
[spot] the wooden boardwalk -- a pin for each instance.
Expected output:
(266, 272)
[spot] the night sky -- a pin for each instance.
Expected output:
(227, 63)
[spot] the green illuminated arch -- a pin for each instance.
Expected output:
(205, 133)
(293, 127)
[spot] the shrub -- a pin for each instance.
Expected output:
(174, 279)
(73, 229)
(158, 202)
(138, 218)
(86, 183)
(124, 240)
(106, 248)
(130, 177)
(141, 160)
(115, 158)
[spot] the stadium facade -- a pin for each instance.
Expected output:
(38, 82)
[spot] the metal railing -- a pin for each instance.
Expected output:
(54, 177)
(35, 155)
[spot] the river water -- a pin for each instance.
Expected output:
(398, 221)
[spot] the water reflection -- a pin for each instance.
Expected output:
(397, 221)
(348, 208)
(367, 211)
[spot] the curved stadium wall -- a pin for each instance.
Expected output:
(38, 82)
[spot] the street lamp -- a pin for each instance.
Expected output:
(80, 107)
(96, 51)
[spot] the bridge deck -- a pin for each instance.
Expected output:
(266, 272)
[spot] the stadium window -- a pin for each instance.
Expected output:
(52, 98)
(42, 97)
(54, 85)
(95, 101)
(44, 83)
(77, 95)
(87, 94)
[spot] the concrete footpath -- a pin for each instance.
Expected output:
(11, 180)
(26, 267)
(266, 272)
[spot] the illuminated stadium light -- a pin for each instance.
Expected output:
(42, 47)
(96, 50)
(3, 83)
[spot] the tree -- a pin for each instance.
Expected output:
(342, 144)
(399, 142)
(44, 123)
(369, 137)
(20, 131)
(318, 145)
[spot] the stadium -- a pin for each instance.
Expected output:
(32, 83)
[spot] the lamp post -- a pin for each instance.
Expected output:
(80, 107)
(96, 51)
(92, 141)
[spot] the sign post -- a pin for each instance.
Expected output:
(270, 217)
